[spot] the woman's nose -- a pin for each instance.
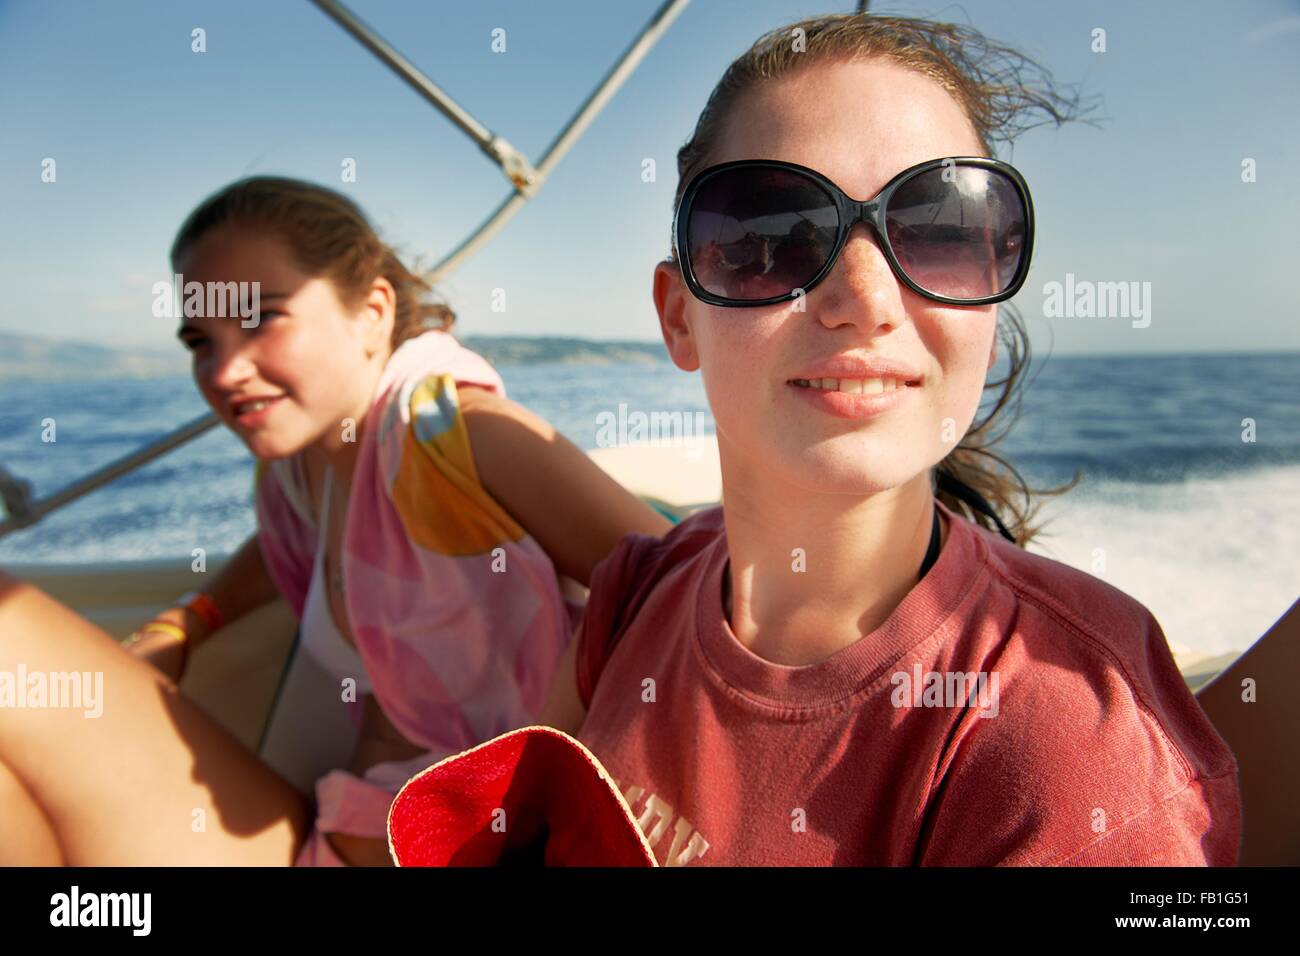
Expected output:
(861, 289)
(230, 365)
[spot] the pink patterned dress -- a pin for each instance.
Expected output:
(456, 611)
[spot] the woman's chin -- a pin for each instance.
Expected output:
(270, 447)
(856, 468)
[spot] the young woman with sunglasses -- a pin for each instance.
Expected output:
(845, 663)
(405, 513)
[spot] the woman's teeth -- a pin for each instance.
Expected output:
(252, 407)
(853, 386)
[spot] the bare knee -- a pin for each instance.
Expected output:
(27, 838)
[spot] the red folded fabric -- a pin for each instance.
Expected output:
(531, 797)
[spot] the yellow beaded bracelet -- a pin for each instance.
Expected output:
(163, 627)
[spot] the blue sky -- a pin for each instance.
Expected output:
(142, 128)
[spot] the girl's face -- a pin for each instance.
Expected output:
(858, 123)
(307, 356)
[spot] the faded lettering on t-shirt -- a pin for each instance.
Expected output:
(655, 819)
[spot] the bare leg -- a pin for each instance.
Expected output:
(1262, 735)
(26, 837)
(152, 780)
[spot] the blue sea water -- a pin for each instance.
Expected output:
(1175, 508)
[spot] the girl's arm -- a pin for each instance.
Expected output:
(1260, 728)
(575, 511)
(242, 584)
(563, 709)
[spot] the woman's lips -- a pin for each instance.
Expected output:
(852, 404)
(256, 412)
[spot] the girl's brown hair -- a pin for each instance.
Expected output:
(330, 238)
(999, 90)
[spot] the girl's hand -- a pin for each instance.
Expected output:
(159, 649)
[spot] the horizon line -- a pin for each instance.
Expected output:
(159, 350)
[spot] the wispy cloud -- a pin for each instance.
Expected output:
(1272, 30)
(134, 300)
(136, 280)
(119, 306)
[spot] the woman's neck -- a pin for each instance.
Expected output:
(341, 454)
(339, 446)
(857, 559)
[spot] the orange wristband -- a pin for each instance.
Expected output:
(203, 605)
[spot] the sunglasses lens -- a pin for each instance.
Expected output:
(759, 232)
(959, 231)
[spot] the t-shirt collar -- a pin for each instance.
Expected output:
(930, 605)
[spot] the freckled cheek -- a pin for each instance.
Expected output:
(719, 392)
(734, 376)
(962, 387)
(740, 352)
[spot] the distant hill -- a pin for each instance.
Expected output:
(31, 358)
(503, 350)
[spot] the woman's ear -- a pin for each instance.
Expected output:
(378, 314)
(993, 353)
(671, 297)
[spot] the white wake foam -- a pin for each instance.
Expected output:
(1216, 560)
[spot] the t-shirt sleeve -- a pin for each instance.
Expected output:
(1068, 816)
(608, 611)
(1178, 831)
(1084, 764)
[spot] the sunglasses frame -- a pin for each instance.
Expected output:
(851, 212)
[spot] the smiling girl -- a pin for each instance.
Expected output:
(406, 512)
(845, 664)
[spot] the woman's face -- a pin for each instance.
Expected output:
(860, 124)
(310, 358)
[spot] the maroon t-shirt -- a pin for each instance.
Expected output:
(1011, 710)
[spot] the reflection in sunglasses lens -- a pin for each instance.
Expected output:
(959, 235)
(756, 233)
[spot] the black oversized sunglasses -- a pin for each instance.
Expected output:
(754, 232)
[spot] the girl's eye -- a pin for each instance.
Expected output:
(193, 344)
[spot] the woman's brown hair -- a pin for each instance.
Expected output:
(999, 90)
(330, 238)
